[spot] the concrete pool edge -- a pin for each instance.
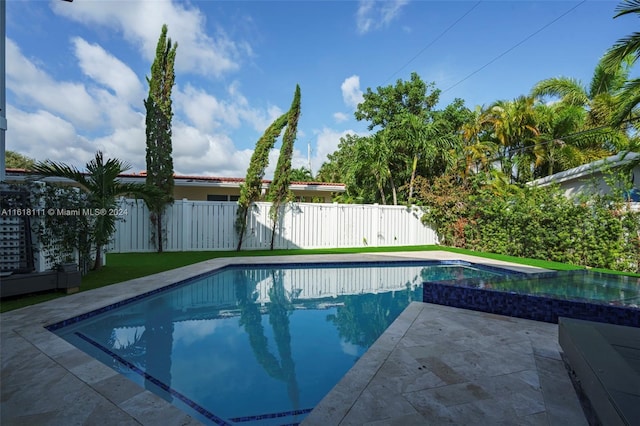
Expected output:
(44, 377)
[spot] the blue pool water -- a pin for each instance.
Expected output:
(255, 345)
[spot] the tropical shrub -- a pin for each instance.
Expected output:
(58, 232)
(541, 223)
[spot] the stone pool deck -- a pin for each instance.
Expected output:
(441, 365)
(434, 365)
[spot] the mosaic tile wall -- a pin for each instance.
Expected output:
(537, 308)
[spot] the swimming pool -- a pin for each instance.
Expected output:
(260, 345)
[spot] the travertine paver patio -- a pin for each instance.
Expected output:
(433, 365)
(441, 365)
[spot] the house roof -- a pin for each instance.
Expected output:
(614, 161)
(187, 180)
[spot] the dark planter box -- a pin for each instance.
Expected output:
(17, 284)
(68, 267)
(69, 282)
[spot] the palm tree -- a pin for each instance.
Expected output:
(103, 187)
(625, 50)
(428, 142)
(476, 149)
(416, 133)
(301, 174)
(556, 148)
(514, 128)
(600, 99)
(373, 154)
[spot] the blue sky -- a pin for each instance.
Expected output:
(76, 71)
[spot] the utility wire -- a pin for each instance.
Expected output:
(434, 40)
(516, 45)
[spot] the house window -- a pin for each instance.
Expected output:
(217, 197)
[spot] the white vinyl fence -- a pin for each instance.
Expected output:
(209, 225)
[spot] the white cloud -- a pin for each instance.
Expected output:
(340, 117)
(376, 14)
(32, 85)
(53, 119)
(327, 142)
(189, 332)
(108, 71)
(209, 113)
(199, 153)
(351, 93)
(44, 136)
(140, 23)
(260, 119)
(350, 348)
(125, 143)
(204, 110)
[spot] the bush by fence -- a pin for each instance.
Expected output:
(541, 223)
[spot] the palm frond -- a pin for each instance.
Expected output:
(55, 169)
(569, 90)
(610, 78)
(626, 7)
(148, 193)
(624, 48)
(626, 102)
(628, 46)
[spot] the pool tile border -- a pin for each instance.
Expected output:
(527, 306)
(203, 411)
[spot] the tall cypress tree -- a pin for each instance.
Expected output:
(251, 189)
(158, 130)
(279, 192)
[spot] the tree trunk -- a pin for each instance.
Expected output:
(413, 176)
(243, 227)
(98, 263)
(382, 195)
(159, 230)
(393, 190)
(275, 226)
(380, 188)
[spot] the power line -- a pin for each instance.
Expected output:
(433, 41)
(516, 45)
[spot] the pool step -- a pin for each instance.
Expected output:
(605, 359)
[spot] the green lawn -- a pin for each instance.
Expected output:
(123, 267)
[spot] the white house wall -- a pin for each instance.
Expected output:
(595, 183)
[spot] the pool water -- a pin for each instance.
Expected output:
(255, 345)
